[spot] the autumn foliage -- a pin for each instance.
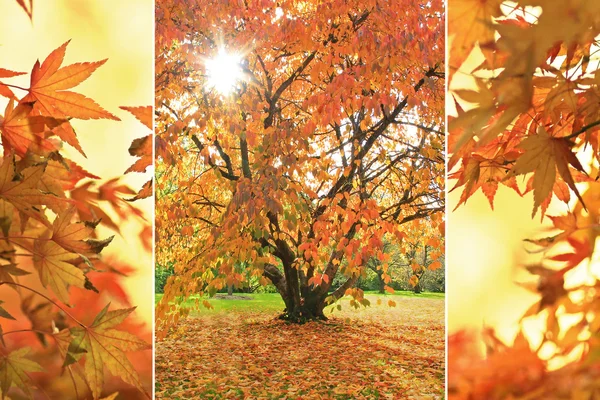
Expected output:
(58, 331)
(525, 87)
(330, 141)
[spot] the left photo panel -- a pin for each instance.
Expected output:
(76, 89)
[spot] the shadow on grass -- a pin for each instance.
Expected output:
(374, 353)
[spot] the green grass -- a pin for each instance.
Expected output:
(273, 302)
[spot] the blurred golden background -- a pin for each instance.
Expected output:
(123, 32)
(486, 251)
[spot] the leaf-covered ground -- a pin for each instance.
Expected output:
(373, 353)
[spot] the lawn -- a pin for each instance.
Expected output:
(272, 301)
(239, 350)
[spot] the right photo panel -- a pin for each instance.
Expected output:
(523, 109)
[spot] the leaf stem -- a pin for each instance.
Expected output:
(16, 87)
(582, 130)
(47, 298)
(26, 330)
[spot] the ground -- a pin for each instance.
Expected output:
(240, 350)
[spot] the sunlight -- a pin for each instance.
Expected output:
(223, 72)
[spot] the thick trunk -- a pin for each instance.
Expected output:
(302, 303)
(417, 289)
(229, 290)
(307, 309)
(298, 308)
(381, 283)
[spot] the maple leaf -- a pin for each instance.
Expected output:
(48, 90)
(5, 90)
(4, 313)
(64, 174)
(43, 316)
(52, 263)
(104, 346)
(475, 14)
(143, 114)
(145, 192)
(27, 6)
(75, 237)
(8, 271)
(13, 370)
(22, 132)
(543, 155)
(141, 147)
(21, 190)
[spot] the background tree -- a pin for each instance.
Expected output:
(526, 89)
(331, 138)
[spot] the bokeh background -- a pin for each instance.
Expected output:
(123, 32)
(486, 252)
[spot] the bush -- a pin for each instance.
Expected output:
(161, 274)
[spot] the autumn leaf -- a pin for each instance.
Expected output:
(543, 155)
(27, 6)
(9, 271)
(22, 132)
(52, 263)
(142, 148)
(103, 346)
(143, 114)
(65, 174)
(475, 14)
(145, 192)
(21, 190)
(48, 90)
(13, 370)
(4, 89)
(76, 237)
(4, 313)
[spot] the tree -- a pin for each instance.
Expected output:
(528, 106)
(415, 264)
(58, 329)
(331, 139)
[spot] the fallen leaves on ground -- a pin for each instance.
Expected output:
(377, 352)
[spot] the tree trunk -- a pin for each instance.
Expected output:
(381, 283)
(229, 290)
(299, 308)
(417, 289)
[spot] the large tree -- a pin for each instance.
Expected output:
(331, 138)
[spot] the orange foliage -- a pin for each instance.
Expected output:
(330, 140)
(532, 110)
(51, 265)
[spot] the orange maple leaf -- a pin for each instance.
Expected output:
(143, 114)
(47, 90)
(543, 155)
(141, 147)
(5, 90)
(72, 236)
(22, 132)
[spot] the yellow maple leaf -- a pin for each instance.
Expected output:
(104, 346)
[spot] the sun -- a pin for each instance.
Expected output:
(223, 72)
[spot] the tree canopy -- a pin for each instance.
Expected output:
(331, 139)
